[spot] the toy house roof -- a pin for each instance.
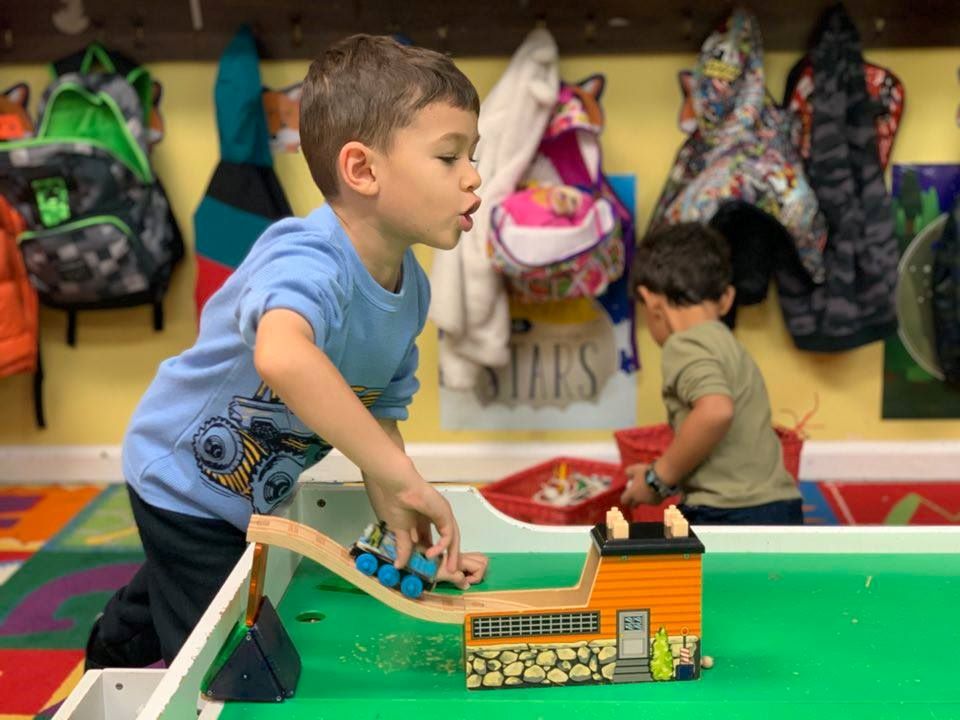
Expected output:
(646, 538)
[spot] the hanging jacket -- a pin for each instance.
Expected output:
(19, 310)
(19, 313)
(855, 303)
(469, 303)
(244, 195)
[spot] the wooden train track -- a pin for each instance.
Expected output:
(434, 607)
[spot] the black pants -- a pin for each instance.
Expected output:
(781, 512)
(187, 560)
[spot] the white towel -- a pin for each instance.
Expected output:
(469, 303)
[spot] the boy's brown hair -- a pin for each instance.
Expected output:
(688, 263)
(364, 88)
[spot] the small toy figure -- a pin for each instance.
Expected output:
(563, 489)
(376, 551)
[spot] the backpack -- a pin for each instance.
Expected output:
(739, 148)
(561, 235)
(556, 242)
(100, 233)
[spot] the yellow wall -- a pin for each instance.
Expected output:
(91, 390)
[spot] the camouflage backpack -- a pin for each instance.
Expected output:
(100, 233)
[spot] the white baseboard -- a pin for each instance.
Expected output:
(482, 462)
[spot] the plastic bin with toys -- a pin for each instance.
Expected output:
(646, 444)
(561, 491)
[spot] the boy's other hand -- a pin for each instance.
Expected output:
(473, 567)
(637, 491)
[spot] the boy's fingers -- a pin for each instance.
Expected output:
(453, 549)
(404, 548)
(437, 548)
(474, 566)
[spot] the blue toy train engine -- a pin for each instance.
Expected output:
(376, 551)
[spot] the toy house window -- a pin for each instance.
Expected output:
(526, 625)
(632, 622)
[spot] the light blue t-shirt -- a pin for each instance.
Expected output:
(208, 438)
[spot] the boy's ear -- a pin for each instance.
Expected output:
(652, 301)
(355, 167)
(726, 300)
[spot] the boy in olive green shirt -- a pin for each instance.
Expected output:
(725, 457)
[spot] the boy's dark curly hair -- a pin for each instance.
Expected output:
(688, 263)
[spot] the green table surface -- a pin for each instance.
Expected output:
(793, 636)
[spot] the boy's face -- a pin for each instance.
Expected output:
(427, 182)
(653, 307)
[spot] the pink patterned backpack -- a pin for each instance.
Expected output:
(561, 234)
(555, 242)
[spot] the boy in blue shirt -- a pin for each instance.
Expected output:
(309, 345)
(725, 456)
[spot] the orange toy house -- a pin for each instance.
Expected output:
(635, 616)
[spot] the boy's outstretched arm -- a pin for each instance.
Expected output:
(697, 436)
(289, 361)
(703, 428)
(473, 566)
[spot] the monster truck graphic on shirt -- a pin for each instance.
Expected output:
(259, 450)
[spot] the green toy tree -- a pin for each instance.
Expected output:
(662, 665)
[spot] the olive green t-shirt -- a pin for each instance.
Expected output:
(746, 467)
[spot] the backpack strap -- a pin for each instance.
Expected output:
(564, 154)
(158, 309)
(72, 328)
(38, 391)
(97, 58)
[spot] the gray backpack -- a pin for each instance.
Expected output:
(100, 231)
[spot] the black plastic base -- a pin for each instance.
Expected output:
(263, 667)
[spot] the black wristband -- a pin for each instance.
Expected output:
(658, 485)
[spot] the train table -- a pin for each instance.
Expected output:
(855, 622)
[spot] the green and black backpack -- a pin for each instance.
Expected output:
(100, 233)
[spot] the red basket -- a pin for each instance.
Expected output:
(513, 495)
(646, 444)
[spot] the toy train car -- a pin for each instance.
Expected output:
(376, 551)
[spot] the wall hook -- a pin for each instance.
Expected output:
(443, 33)
(70, 19)
(296, 31)
(196, 15)
(686, 24)
(590, 28)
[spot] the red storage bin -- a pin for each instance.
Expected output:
(646, 444)
(513, 495)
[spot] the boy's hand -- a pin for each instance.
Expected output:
(409, 511)
(637, 491)
(473, 567)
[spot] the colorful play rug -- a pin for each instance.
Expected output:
(64, 549)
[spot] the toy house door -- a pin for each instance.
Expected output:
(633, 633)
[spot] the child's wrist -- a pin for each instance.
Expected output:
(656, 483)
(665, 472)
